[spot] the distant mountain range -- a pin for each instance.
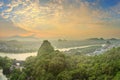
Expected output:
(102, 39)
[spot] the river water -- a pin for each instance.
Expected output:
(23, 56)
(18, 56)
(67, 49)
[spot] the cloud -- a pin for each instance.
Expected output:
(30, 14)
(1, 4)
(59, 17)
(116, 8)
(8, 29)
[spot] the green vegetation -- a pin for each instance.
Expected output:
(5, 64)
(58, 66)
(16, 74)
(45, 48)
(51, 64)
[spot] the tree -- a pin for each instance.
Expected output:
(65, 75)
(5, 64)
(58, 64)
(117, 76)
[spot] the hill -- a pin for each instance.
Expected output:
(55, 65)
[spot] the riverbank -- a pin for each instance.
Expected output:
(23, 56)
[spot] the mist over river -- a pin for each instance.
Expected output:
(23, 56)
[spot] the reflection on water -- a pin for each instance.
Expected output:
(2, 77)
(20, 56)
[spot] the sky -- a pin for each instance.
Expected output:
(53, 19)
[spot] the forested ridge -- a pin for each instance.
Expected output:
(52, 64)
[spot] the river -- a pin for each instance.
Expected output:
(67, 49)
(18, 56)
(23, 56)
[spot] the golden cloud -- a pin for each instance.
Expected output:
(53, 19)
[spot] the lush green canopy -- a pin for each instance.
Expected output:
(55, 65)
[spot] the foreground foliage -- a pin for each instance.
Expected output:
(54, 65)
